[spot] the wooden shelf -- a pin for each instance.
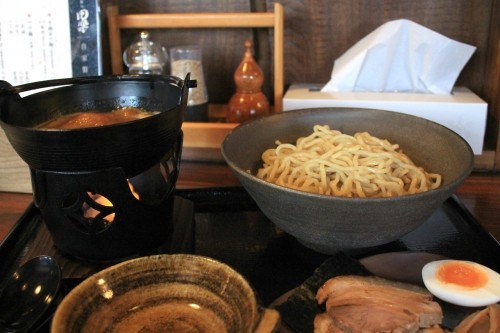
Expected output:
(202, 141)
(200, 136)
(208, 134)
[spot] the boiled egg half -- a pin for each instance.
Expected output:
(462, 283)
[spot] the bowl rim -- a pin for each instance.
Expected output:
(252, 177)
(58, 86)
(69, 301)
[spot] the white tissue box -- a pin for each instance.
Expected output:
(462, 111)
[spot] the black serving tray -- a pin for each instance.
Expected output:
(226, 224)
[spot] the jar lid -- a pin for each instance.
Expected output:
(145, 55)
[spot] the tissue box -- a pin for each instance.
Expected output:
(462, 111)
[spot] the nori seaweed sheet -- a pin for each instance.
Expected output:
(299, 310)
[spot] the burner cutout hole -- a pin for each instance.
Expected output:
(97, 207)
(152, 185)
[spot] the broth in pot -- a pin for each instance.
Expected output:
(95, 119)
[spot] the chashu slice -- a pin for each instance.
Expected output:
(426, 312)
(323, 323)
(369, 318)
(372, 304)
(486, 320)
(343, 282)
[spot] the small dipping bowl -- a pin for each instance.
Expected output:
(164, 293)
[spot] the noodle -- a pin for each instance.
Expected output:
(332, 163)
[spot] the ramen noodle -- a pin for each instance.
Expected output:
(332, 163)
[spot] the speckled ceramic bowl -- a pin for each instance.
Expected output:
(327, 223)
(164, 293)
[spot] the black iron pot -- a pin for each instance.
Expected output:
(134, 146)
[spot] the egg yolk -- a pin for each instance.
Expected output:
(462, 274)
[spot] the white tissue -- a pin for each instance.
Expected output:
(400, 56)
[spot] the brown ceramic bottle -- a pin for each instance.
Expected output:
(248, 101)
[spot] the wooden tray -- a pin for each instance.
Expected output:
(226, 224)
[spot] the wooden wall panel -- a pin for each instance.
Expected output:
(319, 31)
(223, 49)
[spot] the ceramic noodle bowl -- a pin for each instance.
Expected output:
(328, 223)
(164, 293)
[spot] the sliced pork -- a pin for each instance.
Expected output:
(486, 320)
(323, 323)
(372, 304)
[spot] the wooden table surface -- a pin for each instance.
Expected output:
(480, 193)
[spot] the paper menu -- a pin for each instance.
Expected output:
(41, 40)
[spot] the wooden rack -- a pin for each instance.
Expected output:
(200, 137)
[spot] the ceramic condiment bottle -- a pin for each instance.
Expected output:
(248, 101)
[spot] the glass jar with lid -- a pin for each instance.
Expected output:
(188, 59)
(145, 56)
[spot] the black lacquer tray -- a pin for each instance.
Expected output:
(225, 223)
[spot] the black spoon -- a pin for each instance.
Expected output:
(28, 293)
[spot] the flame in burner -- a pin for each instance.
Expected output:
(133, 191)
(91, 213)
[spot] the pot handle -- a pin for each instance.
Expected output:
(3, 85)
(188, 83)
(7, 99)
(10, 90)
